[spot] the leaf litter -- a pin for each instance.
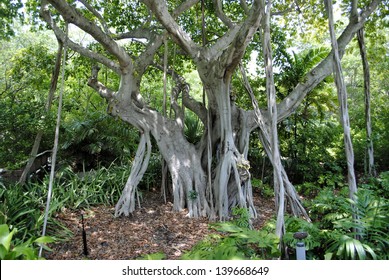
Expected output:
(153, 228)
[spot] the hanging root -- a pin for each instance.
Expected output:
(126, 203)
(232, 187)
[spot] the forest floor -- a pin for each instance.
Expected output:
(154, 228)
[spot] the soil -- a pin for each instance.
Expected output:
(154, 228)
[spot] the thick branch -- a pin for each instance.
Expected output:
(99, 87)
(96, 14)
(244, 36)
(160, 10)
(71, 15)
(139, 33)
(220, 13)
(45, 14)
(146, 58)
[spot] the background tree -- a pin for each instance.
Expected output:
(9, 11)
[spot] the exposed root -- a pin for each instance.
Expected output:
(127, 203)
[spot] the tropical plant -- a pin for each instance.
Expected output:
(235, 243)
(28, 250)
(94, 187)
(344, 237)
(368, 236)
(241, 217)
(313, 242)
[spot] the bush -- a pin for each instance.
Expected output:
(95, 187)
(342, 236)
(22, 207)
(235, 243)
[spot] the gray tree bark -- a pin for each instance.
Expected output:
(342, 97)
(366, 81)
(279, 188)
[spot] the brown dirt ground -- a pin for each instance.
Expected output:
(151, 229)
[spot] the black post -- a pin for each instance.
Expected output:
(84, 236)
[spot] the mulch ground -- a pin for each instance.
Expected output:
(151, 229)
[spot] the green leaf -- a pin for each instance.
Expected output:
(6, 236)
(3, 252)
(328, 256)
(27, 252)
(227, 227)
(44, 240)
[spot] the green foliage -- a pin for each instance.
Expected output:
(313, 240)
(24, 91)
(193, 128)
(265, 190)
(22, 208)
(85, 189)
(9, 10)
(96, 139)
(343, 237)
(371, 227)
(235, 243)
(153, 175)
(10, 250)
(193, 195)
(241, 217)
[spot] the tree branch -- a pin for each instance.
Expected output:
(324, 69)
(45, 14)
(146, 58)
(104, 92)
(244, 36)
(71, 15)
(192, 104)
(96, 14)
(160, 10)
(244, 6)
(139, 33)
(221, 15)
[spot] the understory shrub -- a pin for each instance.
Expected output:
(94, 187)
(235, 243)
(335, 234)
(12, 249)
(22, 207)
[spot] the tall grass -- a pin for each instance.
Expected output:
(96, 187)
(22, 207)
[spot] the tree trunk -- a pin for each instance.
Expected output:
(366, 79)
(39, 135)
